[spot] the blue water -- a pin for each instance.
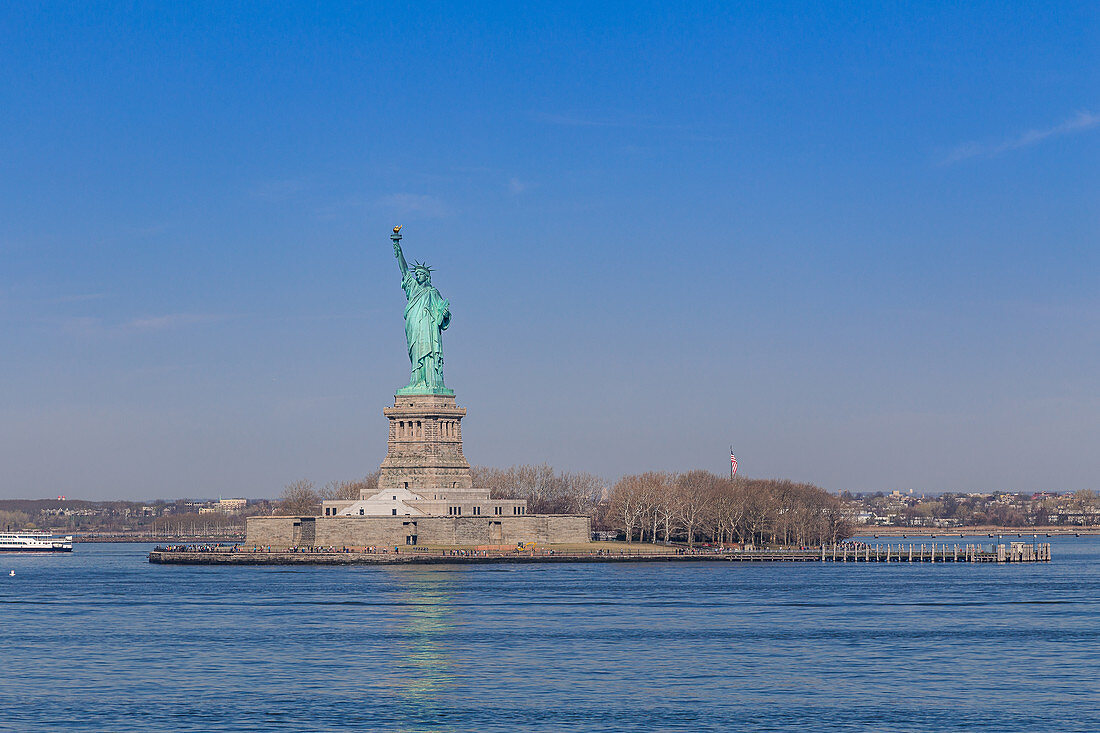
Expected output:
(102, 641)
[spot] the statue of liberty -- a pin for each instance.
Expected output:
(427, 316)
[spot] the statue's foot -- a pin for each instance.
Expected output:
(424, 388)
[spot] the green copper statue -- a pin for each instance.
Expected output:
(427, 316)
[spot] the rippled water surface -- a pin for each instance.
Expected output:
(100, 640)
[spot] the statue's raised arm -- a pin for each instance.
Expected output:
(396, 239)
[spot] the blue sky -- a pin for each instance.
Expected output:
(859, 244)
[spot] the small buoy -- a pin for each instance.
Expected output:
(11, 574)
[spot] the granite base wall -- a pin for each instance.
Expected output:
(274, 531)
(392, 531)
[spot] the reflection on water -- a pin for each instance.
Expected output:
(427, 619)
(421, 623)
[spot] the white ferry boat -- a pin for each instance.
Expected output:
(34, 542)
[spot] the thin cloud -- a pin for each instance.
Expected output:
(87, 326)
(171, 320)
(1080, 122)
(516, 186)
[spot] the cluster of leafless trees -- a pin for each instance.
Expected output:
(302, 498)
(682, 507)
(546, 491)
(687, 507)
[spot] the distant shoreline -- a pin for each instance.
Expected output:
(866, 531)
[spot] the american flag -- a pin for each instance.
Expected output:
(733, 463)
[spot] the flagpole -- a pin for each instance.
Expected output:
(731, 463)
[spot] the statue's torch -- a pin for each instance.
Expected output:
(396, 239)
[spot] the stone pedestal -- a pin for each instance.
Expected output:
(425, 446)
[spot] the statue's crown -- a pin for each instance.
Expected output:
(422, 266)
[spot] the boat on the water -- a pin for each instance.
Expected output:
(34, 542)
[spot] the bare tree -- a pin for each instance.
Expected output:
(632, 498)
(496, 480)
(334, 490)
(659, 495)
(760, 508)
(546, 492)
(299, 499)
(541, 488)
(665, 511)
(345, 490)
(728, 510)
(695, 494)
(583, 492)
(366, 486)
(836, 526)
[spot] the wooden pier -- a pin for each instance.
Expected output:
(931, 553)
(1015, 552)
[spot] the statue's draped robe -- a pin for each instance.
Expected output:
(427, 315)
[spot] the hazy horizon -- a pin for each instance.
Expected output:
(857, 244)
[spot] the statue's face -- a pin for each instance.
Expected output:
(422, 276)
